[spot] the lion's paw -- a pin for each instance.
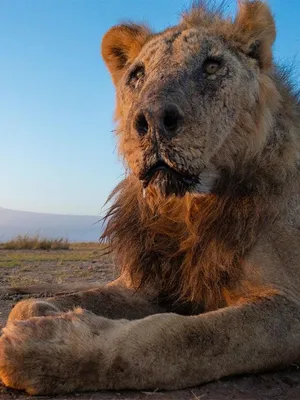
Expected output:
(46, 355)
(29, 308)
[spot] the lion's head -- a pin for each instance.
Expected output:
(193, 101)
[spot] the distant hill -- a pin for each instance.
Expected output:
(76, 228)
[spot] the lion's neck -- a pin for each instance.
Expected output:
(191, 247)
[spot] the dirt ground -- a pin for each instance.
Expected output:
(82, 265)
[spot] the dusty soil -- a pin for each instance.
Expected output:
(82, 266)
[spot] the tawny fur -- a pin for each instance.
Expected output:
(209, 270)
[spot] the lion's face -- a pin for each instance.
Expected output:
(180, 100)
(181, 103)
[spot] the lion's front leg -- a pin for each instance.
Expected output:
(113, 301)
(79, 351)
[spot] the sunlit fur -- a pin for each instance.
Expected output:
(192, 247)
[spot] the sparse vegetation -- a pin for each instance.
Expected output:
(26, 242)
(83, 262)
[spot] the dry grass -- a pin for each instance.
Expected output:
(26, 242)
(83, 262)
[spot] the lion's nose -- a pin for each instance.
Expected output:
(165, 120)
(172, 118)
(141, 124)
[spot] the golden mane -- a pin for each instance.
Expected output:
(190, 248)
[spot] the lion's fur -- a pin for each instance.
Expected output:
(226, 243)
(192, 248)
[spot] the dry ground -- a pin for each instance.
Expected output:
(82, 265)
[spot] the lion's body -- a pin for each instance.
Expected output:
(205, 228)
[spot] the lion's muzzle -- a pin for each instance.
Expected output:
(164, 121)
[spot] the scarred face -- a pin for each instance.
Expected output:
(183, 97)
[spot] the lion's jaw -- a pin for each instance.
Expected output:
(171, 181)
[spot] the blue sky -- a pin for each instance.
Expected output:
(57, 152)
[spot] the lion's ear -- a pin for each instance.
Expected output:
(120, 46)
(256, 27)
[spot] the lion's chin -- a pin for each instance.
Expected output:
(170, 184)
(169, 180)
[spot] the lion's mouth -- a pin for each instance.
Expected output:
(168, 179)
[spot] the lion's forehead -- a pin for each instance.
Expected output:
(180, 46)
(177, 43)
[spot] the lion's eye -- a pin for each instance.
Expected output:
(211, 66)
(136, 75)
(139, 73)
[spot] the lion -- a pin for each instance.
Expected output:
(205, 227)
